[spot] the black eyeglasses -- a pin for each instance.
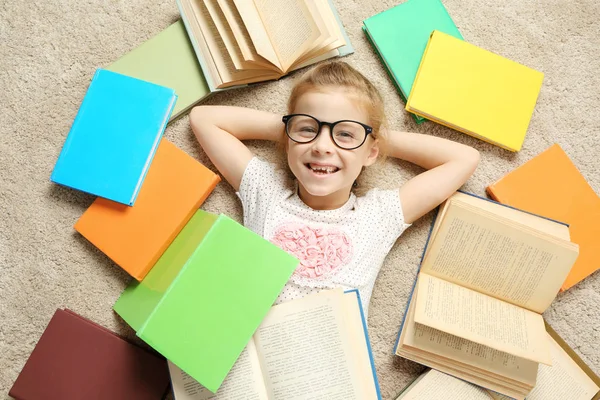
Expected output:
(346, 134)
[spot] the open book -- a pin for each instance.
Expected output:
(487, 274)
(315, 347)
(435, 385)
(568, 377)
(238, 42)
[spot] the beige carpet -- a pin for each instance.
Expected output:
(49, 51)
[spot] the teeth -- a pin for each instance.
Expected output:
(327, 170)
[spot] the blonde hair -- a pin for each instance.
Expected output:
(340, 75)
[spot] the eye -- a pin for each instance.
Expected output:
(344, 136)
(310, 129)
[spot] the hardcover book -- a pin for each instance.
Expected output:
(114, 137)
(202, 301)
(487, 274)
(76, 359)
(551, 185)
(135, 237)
(238, 42)
(474, 91)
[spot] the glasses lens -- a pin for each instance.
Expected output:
(301, 128)
(348, 134)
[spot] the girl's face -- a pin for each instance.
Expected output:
(307, 161)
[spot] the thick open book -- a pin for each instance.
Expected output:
(238, 42)
(316, 347)
(568, 378)
(487, 274)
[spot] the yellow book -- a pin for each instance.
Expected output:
(475, 91)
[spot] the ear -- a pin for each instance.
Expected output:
(373, 152)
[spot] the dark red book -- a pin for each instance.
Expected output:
(77, 359)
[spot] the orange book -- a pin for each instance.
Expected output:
(135, 237)
(551, 186)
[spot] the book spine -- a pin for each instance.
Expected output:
(347, 49)
(368, 342)
(412, 291)
(159, 135)
(203, 67)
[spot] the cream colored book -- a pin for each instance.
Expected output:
(316, 347)
(239, 42)
(568, 377)
(488, 273)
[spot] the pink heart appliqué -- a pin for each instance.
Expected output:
(319, 250)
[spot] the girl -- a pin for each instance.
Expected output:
(333, 130)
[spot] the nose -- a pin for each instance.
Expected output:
(323, 144)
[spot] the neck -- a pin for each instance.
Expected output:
(331, 201)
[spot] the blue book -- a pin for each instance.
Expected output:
(114, 136)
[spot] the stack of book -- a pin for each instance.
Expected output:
(447, 80)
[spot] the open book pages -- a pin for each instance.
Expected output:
(499, 251)
(435, 385)
(315, 346)
(244, 41)
(481, 319)
(563, 380)
(473, 362)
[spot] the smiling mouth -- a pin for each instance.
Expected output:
(321, 169)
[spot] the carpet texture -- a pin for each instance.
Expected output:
(49, 51)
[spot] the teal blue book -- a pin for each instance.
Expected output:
(114, 136)
(203, 299)
(399, 36)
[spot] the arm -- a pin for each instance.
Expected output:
(220, 130)
(449, 165)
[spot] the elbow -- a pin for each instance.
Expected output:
(197, 115)
(471, 159)
(199, 119)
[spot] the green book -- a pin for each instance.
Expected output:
(167, 59)
(204, 298)
(399, 36)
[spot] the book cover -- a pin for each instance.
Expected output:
(77, 359)
(475, 91)
(199, 305)
(167, 59)
(114, 137)
(586, 369)
(135, 237)
(366, 335)
(400, 35)
(551, 185)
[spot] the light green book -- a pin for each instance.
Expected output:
(400, 35)
(167, 59)
(202, 301)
